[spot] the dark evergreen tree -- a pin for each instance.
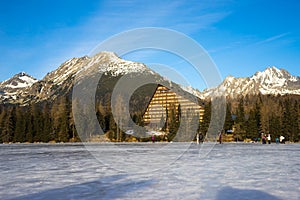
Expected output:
(47, 124)
(9, 126)
(275, 126)
(228, 118)
(240, 132)
(294, 123)
(20, 125)
(286, 121)
(37, 123)
(251, 126)
(240, 112)
(204, 124)
(29, 137)
(63, 129)
(3, 117)
(173, 122)
(257, 116)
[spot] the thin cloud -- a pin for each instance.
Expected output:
(115, 17)
(175, 15)
(271, 39)
(205, 21)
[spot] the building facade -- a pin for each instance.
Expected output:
(166, 103)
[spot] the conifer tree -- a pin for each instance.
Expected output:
(251, 126)
(29, 136)
(228, 118)
(20, 125)
(294, 122)
(240, 132)
(47, 125)
(206, 118)
(9, 127)
(37, 123)
(286, 121)
(257, 116)
(172, 122)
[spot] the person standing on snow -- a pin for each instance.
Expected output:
(281, 139)
(220, 137)
(153, 138)
(263, 138)
(269, 138)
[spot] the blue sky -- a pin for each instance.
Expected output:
(242, 37)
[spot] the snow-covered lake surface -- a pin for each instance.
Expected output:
(229, 171)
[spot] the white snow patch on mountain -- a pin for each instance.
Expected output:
(271, 81)
(20, 80)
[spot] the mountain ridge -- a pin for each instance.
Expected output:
(9, 88)
(41, 110)
(271, 81)
(61, 79)
(23, 88)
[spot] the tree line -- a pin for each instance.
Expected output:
(38, 122)
(248, 116)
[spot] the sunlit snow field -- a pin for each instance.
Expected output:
(229, 171)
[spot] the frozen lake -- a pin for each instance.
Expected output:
(228, 171)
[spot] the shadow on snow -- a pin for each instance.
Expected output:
(243, 194)
(113, 187)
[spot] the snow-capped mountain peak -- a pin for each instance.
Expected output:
(270, 81)
(22, 88)
(60, 81)
(192, 91)
(20, 80)
(273, 76)
(10, 87)
(277, 81)
(113, 64)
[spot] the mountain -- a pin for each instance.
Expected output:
(10, 88)
(272, 81)
(41, 110)
(23, 88)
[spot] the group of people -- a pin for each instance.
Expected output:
(267, 139)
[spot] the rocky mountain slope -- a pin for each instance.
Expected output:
(272, 81)
(23, 88)
(10, 88)
(60, 81)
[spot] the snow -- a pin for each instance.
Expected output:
(271, 81)
(229, 171)
(272, 77)
(28, 80)
(110, 62)
(19, 85)
(25, 82)
(119, 66)
(20, 80)
(192, 91)
(107, 62)
(11, 87)
(68, 68)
